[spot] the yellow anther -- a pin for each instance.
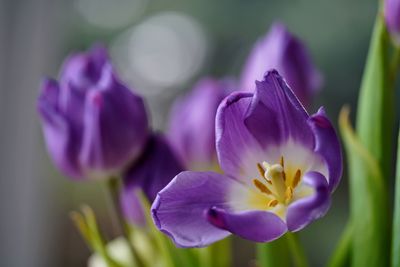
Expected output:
(260, 169)
(261, 187)
(282, 162)
(296, 178)
(288, 194)
(273, 203)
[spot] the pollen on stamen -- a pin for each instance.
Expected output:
(273, 203)
(296, 178)
(261, 187)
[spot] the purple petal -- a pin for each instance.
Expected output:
(233, 140)
(151, 173)
(179, 208)
(276, 115)
(83, 70)
(305, 210)
(71, 103)
(59, 138)
(282, 51)
(328, 146)
(115, 129)
(192, 123)
(392, 18)
(258, 226)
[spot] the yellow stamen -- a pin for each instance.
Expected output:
(296, 178)
(288, 194)
(282, 162)
(260, 169)
(261, 187)
(273, 203)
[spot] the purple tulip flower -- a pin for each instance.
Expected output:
(280, 50)
(191, 128)
(392, 18)
(151, 173)
(281, 166)
(94, 126)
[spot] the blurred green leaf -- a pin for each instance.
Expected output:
(87, 226)
(375, 114)
(368, 201)
(396, 214)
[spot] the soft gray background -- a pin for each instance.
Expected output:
(212, 38)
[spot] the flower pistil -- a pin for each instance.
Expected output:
(274, 183)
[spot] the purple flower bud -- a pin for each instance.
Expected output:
(280, 50)
(392, 18)
(94, 126)
(192, 123)
(151, 173)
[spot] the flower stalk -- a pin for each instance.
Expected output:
(114, 189)
(297, 251)
(275, 253)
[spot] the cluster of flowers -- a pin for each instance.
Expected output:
(257, 164)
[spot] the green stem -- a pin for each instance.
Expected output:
(297, 251)
(341, 256)
(221, 253)
(205, 257)
(114, 188)
(275, 253)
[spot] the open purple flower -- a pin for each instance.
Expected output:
(150, 173)
(94, 126)
(282, 51)
(281, 166)
(191, 128)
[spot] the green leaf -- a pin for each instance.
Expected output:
(375, 114)
(368, 201)
(396, 214)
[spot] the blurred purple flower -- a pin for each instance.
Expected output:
(282, 51)
(392, 18)
(191, 128)
(281, 166)
(94, 126)
(151, 173)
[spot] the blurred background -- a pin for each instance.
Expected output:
(161, 47)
